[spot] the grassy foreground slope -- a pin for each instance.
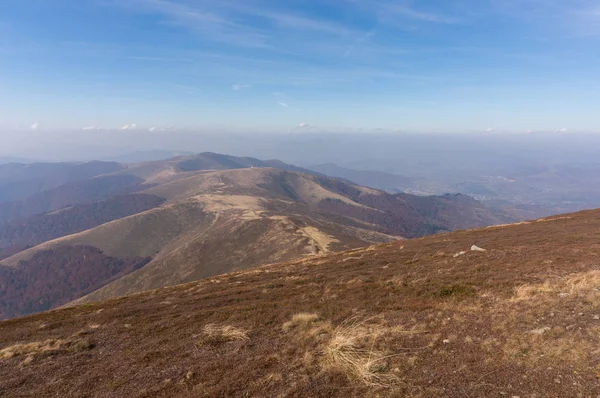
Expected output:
(412, 318)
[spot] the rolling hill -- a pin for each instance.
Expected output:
(501, 311)
(193, 217)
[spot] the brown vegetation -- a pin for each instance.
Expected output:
(56, 277)
(405, 319)
(17, 235)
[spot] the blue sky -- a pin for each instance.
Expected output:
(262, 65)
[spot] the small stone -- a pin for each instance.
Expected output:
(540, 331)
(460, 254)
(580, 314)
(477, 249)
(446, 341)
(596, 317)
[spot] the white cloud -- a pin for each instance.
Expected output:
(36, 126)
(152, 129)
(129, 127)
(88, 128)
(489, 130)
(285, 105)
(304, 126)
(562, 130)
(237, 87)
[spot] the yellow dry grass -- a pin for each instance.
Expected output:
(37, 347)
(578, 284)
(352, 351)
(302, 320)
(225, 333)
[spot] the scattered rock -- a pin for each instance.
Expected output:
(446, 341)
(477, 249)
(540, 331)
(596, 317)
(460, 254)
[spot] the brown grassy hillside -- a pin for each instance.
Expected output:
(407, 319)
(55, 277)
(44, 227)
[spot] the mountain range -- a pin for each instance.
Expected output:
(94, 231)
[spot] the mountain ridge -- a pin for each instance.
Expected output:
(207, 214)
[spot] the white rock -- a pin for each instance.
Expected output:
(460, 254)
(540, 330)
(596, 317)
(477, 249)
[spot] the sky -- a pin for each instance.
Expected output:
(282, 66)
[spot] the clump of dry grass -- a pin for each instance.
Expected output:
(302, 320)
(575, 285)
(526, 292)
(47, 347)
(351, 350)
(583, 282)
(37, 347)
(224, 333)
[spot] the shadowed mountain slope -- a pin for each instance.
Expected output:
(44, 227)
(428, 317)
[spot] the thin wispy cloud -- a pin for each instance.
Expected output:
(389, 11)
(35, 126)
(202, 19)
(238, 87)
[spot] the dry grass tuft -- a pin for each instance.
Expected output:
(47, 347)
(224, 333)
(302, 320)
(579, 284)
(351, 350)
(527, 292)
(583, 282)
(37, 347)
